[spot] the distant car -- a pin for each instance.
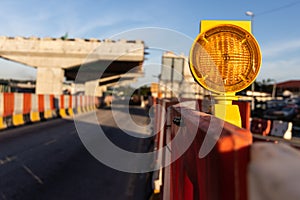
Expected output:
(276, 104)
(293, 101)
(286, 113)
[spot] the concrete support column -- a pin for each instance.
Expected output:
(92, 88)
(89, 87)
(49, 80)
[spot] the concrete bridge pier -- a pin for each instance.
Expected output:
(49, 80)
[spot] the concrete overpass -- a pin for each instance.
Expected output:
(57, 59)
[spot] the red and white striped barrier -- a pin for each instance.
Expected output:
(20, 108)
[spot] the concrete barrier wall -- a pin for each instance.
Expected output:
(24, 108)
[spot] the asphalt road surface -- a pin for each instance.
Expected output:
(47, 160)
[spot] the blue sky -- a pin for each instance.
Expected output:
(276, 26)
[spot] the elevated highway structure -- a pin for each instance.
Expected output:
(58, 59)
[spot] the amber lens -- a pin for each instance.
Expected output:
(225, 58)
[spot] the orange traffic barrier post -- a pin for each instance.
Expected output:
(26, 107)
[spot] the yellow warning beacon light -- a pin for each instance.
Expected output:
(225, 58)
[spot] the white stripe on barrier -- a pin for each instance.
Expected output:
(18, 109)
(73, 102)
(18, 103)
(34, 112)
(34, 103)
(66, 101)
(78, 104)
(1, 104)
(83, 106)
(47, 107)
(47, 102)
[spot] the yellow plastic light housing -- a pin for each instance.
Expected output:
(225, 59)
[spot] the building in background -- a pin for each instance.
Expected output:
(22, 86)
(291, 88)
(176, 79)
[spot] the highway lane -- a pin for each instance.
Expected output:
(47, 160)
